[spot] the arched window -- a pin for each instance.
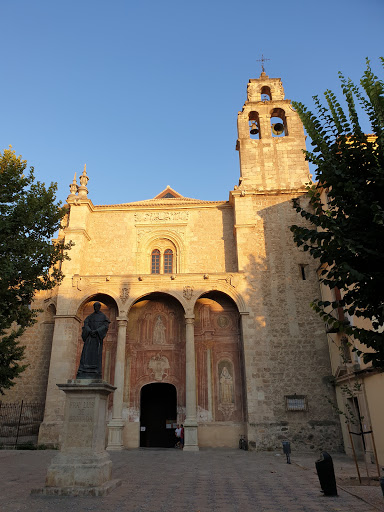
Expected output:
(155, 263)
(163, 254)
(168, 261)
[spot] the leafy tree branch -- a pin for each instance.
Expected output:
(346, 233)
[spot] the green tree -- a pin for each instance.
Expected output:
(346, 235)
(29, 217)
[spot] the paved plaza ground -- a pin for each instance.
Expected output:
(170, 480)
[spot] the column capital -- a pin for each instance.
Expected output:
(190, 319)
(121, 321)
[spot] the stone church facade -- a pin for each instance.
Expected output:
(208, 302)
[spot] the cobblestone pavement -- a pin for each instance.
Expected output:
(157, 480)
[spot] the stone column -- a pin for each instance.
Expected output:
(116, 425)
(190, 424)
(209, 382)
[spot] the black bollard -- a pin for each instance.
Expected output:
(382, 484)
(287, 450)
(326, 474)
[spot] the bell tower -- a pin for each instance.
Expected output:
(270, 140)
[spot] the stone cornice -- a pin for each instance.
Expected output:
(80, 202)
(156, 204)
(158, 278)
(81, 231)
(275, 192)
(73, 317)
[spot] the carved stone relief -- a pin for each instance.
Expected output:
(161, 217)
(226, 389)
(226, 395)
(159, 337)
(141, 233)
(157, 327)
(223, 321)
(124, 294)
(159, 365)
(188, 292)
(79, 282)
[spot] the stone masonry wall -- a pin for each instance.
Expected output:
(286, 349)
(32, 383)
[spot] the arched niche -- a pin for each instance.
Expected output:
(110, 309)
(219, 359)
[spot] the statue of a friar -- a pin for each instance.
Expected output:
(95, 328)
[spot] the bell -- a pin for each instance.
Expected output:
(277, 128)
(254, 129)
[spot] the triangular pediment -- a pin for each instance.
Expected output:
(168, 193)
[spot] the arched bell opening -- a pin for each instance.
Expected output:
(254, 125)
(278, 123)
(265, 93)
(158, 415)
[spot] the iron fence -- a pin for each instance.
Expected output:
(19, 423)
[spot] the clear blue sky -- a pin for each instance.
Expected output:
(147, 93)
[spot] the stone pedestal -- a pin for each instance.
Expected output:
(190, 436)
(83, 467)
(115, 437)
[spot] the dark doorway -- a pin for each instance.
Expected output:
(158, 415)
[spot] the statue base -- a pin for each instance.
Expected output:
(83, 467)
(190, 436)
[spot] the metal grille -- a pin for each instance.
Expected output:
(20, 422)
(296, 403)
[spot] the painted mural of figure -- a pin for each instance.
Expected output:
(95, 328)
(226, 386)
(159, 332)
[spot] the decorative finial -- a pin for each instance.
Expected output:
(73, 188)
(83, 191)
(262, 60)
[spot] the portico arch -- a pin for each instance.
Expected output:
(155, 354)
(225, 288)
(92, 292)
(220, 370)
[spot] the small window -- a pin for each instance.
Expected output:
(296, 403)
(303, 273)
(155, 267)
(168, 261)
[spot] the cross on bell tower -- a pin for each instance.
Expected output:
(262, 60)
